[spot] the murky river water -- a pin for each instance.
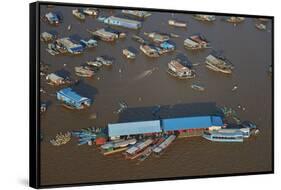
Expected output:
(144, 82)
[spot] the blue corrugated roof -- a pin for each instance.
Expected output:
(134, 128)
(174, 124)
(217, 121)
(69, 93)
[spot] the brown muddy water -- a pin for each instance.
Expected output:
(143, 82)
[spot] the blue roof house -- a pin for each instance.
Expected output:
(72, 99)
(184, 123)
(134, 128)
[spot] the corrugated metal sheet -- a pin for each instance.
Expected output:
(183, 123)
(133, 128)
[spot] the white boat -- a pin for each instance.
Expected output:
(164, 144)
(177, 23)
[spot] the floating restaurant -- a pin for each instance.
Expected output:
(72, 100)
(122, 22)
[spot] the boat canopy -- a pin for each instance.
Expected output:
(71, 95)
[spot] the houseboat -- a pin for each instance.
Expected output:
(219, 64)
(54, 79)
(157, 150)
(138, 39)
(140, 14)
(196, 42)
(78, 14)
(234, 19)
(129, 54)
(166, 47)
(177, 23)
(176, 69)
(260, 26)
(89, 43)
(209, 18)
(122, 22)
(84, 71)
(72, 100)
(157, 37)
(104, 35)
(46, 37)
(66, 44)
(90, 11)
(149, 50)
(52, 18)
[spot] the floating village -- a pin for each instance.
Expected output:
(140, 139)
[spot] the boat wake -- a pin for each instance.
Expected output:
(145, 74)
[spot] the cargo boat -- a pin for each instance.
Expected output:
(209, 18)
(196, 42)
(140, 14)
(157, 150)
(136, 150)
(234, 19)
(218, 64)
(176, 69)
(177, 23)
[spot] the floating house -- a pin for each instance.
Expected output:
(167, 46)
(219, 64)
(73, 100)
(122, 22)
(191, 126)
(157, 37)
(104, 35)
(52, 18)
(55, 79)
(149, 50)
(140, 14)
(89, 43)
(70, 46)
(46, 37)
(196, 42)
(134, 128)
(209, 18)
(176, 69)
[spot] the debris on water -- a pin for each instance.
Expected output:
(69, 27)
(197, 87)
(120, 71)
(235, 87)
(239, 106)
(65, 65)
(243, 108)
(42, 90)
(195, 64)
(145, 73)
(61, 139)
(93, 116)
(122, 106)
(88, 135)
(140, 99)
(43, 107)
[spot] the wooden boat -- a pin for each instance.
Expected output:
(113, 151)
(218, 64)
(164, 145)
(197, 87)
(84, 71)
(78, 14)
(209, 18)
(129, 54)
(196, 42)
(136, 150)
(149, 51)
(177, 23)
(94, 63)
(233, 19)
(260, 26)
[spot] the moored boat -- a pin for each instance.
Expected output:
(176, 69)
(260, 26)
(234, 19)
(150, 51)
(83, 71)
(196, 42)
(158, 149)
(209, 18)
(78, 14)
(219, 64)
(224, 135)
(177, 23)
(129, 54)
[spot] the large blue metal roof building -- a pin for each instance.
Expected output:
(183, 123)
(134, 128)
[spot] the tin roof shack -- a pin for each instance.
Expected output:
(122, 22)
(72, 100)
(196, 42)
(52, 18)
(176, 69)
(149, 50)
(140, 14)
(54, 79)
(104, 35)
(46, 37)
(133, 128)
(67, 44)
(191, 126)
